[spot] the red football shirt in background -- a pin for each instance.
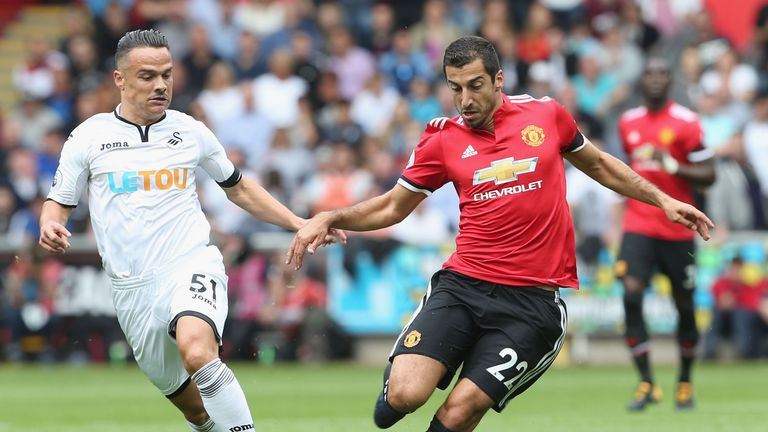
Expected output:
(515, 225)
(677, 130)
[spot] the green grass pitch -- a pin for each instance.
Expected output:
(339, 398)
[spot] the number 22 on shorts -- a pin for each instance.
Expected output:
(496, 370)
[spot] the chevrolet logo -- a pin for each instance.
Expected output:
(505, 170)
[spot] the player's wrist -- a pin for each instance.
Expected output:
(670, 164)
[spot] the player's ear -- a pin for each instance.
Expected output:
(119, 79)
(499, 80)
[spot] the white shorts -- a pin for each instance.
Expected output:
(149, 306)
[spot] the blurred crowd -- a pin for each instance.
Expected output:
(323, 102)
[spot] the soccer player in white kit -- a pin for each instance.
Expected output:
(168, 283)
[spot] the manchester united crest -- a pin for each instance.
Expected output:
(412, 339)
(667, 136)
(533, 135)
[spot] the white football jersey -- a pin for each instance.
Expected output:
(141, 186)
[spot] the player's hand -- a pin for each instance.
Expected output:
(690, 216)
(315, 233)
(54, 238)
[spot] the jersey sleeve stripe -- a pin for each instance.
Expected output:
(62, 204)
(413, 187)
(578, 143)
(232, 180)
(701, 155)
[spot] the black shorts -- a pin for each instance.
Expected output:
(505, 336)
(640, 256)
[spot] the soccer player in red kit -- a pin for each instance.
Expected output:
(495, 307)
(663, 142)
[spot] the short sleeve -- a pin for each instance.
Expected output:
(213, 158)
(425, 171)
(72, 173)
(571, 139)
(694, 144)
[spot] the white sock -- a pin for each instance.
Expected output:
(205, 427)
(223, 397)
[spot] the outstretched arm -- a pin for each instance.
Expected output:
(54, 237)
(616, 175)
(254, 199)
(378, 212)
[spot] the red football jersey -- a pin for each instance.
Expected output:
(515, 225)
(677, 130)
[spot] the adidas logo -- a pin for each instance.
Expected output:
(469, 152)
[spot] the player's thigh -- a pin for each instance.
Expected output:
(523, 338)
(676, 260)
(142, 313)
(636, 259)
(442, 329)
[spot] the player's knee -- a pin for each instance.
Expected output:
(406, 398)
(633, 286)
(633, 300)
(460, 416)
(195, 356)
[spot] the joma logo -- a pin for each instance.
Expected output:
(114, 145)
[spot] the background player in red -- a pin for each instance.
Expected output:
(495, 306)
(663, 142)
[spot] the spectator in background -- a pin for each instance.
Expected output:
(33, 119)
(221, 99)
(48, 158)
(353, 65)
(249, 299)
(532, 41)
(372, 107)
(277, 93)
(249, 62)
(23, 175)
(224, 31)
(294, 162)
(727, 201)
(200, 58)
(422, 101)
(260, 17)
(294, 22)
(734, 313)
(598, 92)
(84, 69)
(755, 139)
(380, 38)
(337, 179)
(31, 288)
(685, 86)
(467, 14)
(617, 54)
(540, 76)
(36, 76)
(434, 32)
(338, 126)
(402, 63)
(7, 207)
(309, 63)
(109, 28)
(635, 28)
(732, 81)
